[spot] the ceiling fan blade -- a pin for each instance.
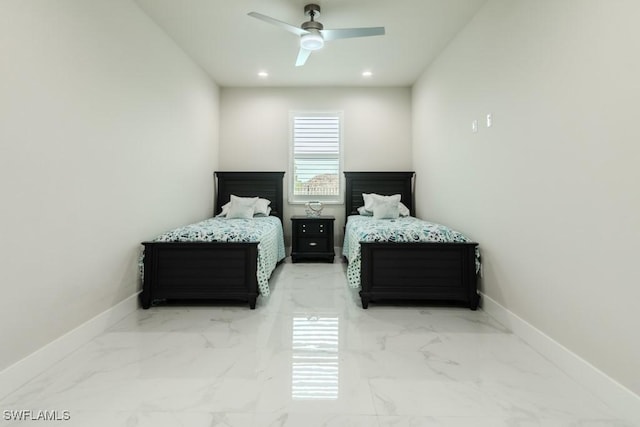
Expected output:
(345, 33)
(292, 29)
(303, 55)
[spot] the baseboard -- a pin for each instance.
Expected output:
(622, 400)
(16, 375)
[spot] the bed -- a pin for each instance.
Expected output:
(204, 262)
(433, 271)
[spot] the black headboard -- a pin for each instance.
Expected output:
(267, 185)
(385, 183)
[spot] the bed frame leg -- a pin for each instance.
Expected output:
(145, 301)
(475, 301)
(252, 303)
(365, 301)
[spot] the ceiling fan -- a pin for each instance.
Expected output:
(312, 33)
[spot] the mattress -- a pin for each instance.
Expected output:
(409, 229)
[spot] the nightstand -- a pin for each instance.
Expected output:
(312, 238)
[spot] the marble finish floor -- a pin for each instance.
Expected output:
(309, 356)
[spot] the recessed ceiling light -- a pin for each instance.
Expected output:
(263, 74)
(367, 74)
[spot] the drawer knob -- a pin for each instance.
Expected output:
(313, 244)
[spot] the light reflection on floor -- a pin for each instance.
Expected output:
(315, 365)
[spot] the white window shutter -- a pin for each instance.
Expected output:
(316, 156)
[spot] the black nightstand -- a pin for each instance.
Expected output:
(312, 238)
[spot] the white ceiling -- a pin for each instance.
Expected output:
(233, 47)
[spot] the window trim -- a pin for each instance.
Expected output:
(327, 200)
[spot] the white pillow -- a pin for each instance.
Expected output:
(403, 210)
(255, 215)
(387, 209)
(362, 211)
(225, 209)
(261, 206)
(241, 207)
(371, 199)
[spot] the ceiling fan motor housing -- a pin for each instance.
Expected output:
(312, 25)
(312, 10)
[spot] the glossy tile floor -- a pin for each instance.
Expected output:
(309, 356)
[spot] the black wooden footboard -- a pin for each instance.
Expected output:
(419, 271)
(200, 270)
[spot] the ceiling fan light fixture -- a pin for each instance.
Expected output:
(311, 41)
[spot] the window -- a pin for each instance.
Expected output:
(316, 157)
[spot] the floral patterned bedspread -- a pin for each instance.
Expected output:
(266, 230)
(405, 229)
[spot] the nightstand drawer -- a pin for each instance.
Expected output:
(306, 228)
(310, 244)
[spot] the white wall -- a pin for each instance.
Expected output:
(108, 136)
(254, 131)
(551, 189)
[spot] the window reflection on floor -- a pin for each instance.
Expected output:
(315, 357)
